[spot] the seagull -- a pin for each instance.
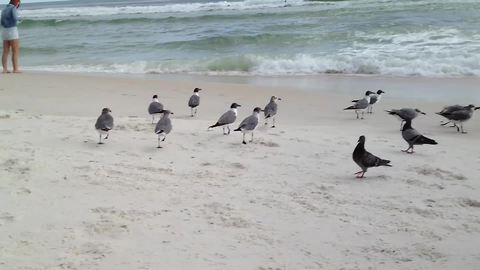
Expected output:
(413, 137)
(458, 116)
(374, 99)
(164, 126)
(104, 124)
(448, 110)
(227, 118)
(365, 159)
(361, 105)
(155, 107)
(249, 124)
(405, 114)
(271, 110)
(194, 101)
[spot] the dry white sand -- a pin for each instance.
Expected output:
(205, 201)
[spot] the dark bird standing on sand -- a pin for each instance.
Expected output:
(227, 118)
(366, 160)
(271, 110)
(194, 101)
(413, 137)
(163, 127)
(155, 107)
(458, 115)
(249, 124)
(361, 105)
(104, 124)
(405, 114)
(375, 99)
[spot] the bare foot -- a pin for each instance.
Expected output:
(6, 71)
(17, 71)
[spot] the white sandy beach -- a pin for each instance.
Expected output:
(289, 200)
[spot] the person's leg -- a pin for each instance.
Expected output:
(15, 54)
(6, 51)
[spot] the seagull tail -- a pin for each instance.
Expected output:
(349, 108)
(355, 100)
(216, 125)
(238, 129)
(391, 112)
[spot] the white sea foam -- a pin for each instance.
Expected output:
(170, 8)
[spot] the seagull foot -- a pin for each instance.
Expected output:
(244, 142)
(159, 146)
(273, 126)
(100, 143)
(464, 132)
(163, 139)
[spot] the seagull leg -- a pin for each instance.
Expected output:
(361, 176)
(363, 115)
(463, 132)
(357, 113)
(106, 137)
(228, 127)
(191, 112)
(195, 111)
(273, 119)
(401, 124)
(252, 138)
(159, 141)
(444, 124)
(153, 118)
(100, 139)
(358, 172)
(244, 139)
(224, 133)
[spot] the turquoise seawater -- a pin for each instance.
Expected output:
(439, 38)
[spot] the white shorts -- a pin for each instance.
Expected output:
(10, 33)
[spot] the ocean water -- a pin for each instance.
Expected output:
(433, 38)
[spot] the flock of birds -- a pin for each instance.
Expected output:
(456, 114)
(164, 125)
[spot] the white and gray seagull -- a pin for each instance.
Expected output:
(361, 105)
(405, 114)
(227, 118)
(249, 124)
(271, 109)
(155, 107)
(163, 127)
(375, 99)
(194, 101)
(104, 124)
(458, 115)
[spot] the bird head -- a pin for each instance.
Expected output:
(368, 93)
(471, 106)
(361, 139)
(235, 105)
(257, 110)
(166, 112)
(155, 96)
(196, 90)
(379, 92)
(106, 110)
(418, 111)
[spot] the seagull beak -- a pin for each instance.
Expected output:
(423, 113)
(279, 98)
(238, 105)
(477, 108)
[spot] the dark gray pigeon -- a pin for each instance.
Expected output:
(194, 101)
(163, 127)
(155, 107)
(366, 160)
(227, 118)
(375, 99)
(413, 137)
(405, 114)
(361, 105)
(458, 115)
(104, 124)
(271, 110)
(249, 124)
